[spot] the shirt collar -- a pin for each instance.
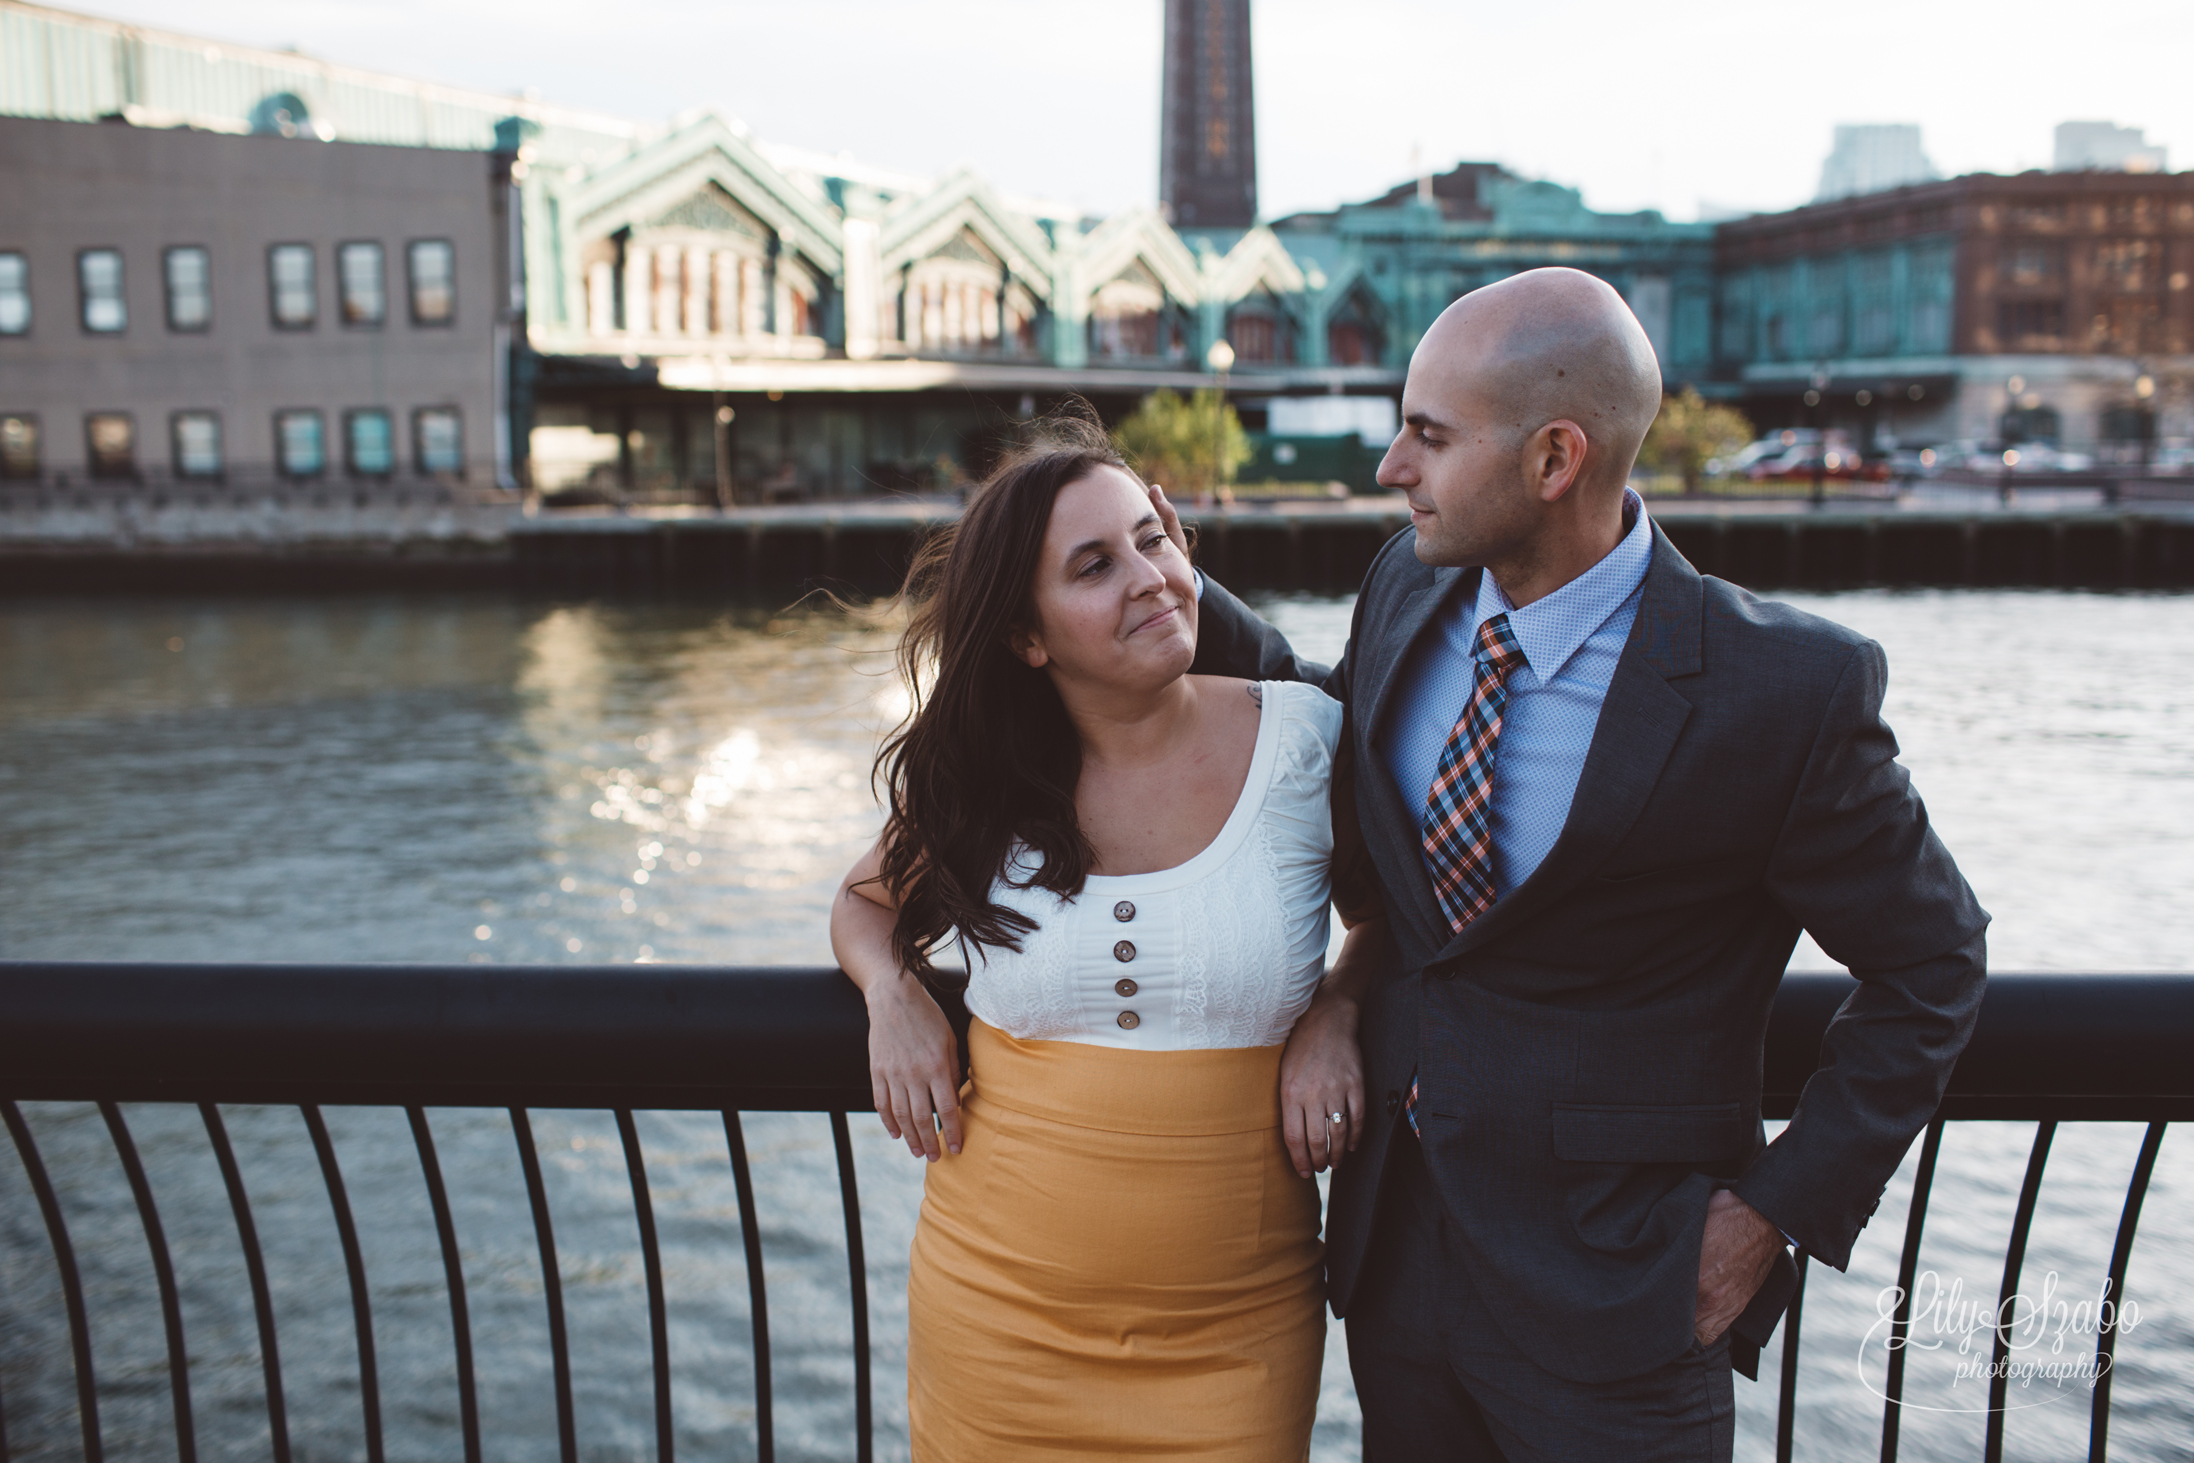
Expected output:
(1550, 630)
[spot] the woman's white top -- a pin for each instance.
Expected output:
(1222, 951)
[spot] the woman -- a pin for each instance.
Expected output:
(1117, 1253)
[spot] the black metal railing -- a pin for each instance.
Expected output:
(2048, 1049)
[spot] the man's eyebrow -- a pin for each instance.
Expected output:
(1093, 544)
(1422, 418)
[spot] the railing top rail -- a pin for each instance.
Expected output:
(795, 1038)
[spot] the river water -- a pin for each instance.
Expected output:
(475, 778)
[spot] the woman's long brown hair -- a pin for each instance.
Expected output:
(986, 758)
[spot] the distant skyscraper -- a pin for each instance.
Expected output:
(1871, 156)
(2108, 147)
(1207, 163)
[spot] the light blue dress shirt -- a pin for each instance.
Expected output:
(1571, 640)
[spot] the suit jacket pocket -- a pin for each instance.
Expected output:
(1695, 1133)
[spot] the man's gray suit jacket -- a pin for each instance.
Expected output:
(1589, 1050)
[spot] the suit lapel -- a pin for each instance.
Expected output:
(1390, 818)
(1639, 723)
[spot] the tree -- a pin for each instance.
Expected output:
(1173, 440)
(1688, 433)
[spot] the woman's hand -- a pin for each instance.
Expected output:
(914, 1066)
(1321, 1077)
(1322, 1070)
(913, 1057)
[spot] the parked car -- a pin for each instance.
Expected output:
(1800, 463)
(1776, 444)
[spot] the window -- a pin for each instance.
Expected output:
(2123, 263)
(197, 443)
(189, 271)
(290, 286)
(18, 446)
(365, 298)
(110, 443)
(2023, 320)
(1255, 338)
(2028, 265)
(438, 440)
(433, 282)
(300, 445)
(14, 295)
(99, 281)
(369, 444)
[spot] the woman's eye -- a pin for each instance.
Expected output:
(1153, 541)
(1094, 566)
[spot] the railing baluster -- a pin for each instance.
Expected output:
(163, 1272)
(2129, 1220)
(255, 1265)
(652, 1258)
(552, 1282)
(1992, 1449)
(72, 1284)
(1787, 1405)
(765, 1445)
(468, 1402)
(1923, 1184)
(361, 1304)
(857, 1266)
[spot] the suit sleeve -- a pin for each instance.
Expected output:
(1234, 640)
(1857, 864)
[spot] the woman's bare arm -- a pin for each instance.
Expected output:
(913, 1057)
(1322, 1070)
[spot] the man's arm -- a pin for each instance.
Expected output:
(1857, 865)
(1234, 640)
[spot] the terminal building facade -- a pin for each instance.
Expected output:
(684, 312)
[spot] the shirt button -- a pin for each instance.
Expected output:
(1124, 986)
(1123, 911)
(1129, 1020)
(1124, 951)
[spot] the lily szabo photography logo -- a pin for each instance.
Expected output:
(2050, 1341)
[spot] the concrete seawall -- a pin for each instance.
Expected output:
(1326, 547)
(304, 541)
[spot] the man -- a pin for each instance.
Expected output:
(1602, 795)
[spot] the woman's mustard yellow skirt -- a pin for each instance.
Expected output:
(1120, 1262)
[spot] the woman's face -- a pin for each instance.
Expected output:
(1115, 601)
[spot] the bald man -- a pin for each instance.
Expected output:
(1598, 797)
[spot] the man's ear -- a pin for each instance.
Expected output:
(1556, 458)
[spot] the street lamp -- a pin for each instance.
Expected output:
(1221, 360)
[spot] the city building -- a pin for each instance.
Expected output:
(1207, 158)
(1870, 157)
(2045, 306)
(2106, 146)
(232, 319)
(1378, 273)
(682, 312)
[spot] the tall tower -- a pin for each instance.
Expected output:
(1207, 151)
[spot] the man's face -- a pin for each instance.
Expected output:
(1459, 461)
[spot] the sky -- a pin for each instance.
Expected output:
(1721, 103)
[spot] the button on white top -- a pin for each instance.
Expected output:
(1228, 946)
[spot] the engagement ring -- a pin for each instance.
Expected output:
(1336, 1118)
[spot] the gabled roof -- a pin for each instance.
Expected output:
(656, 178)
(1140, 233)
(1258, 258)
(918, 227)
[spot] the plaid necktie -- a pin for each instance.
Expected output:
(1458, 829)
